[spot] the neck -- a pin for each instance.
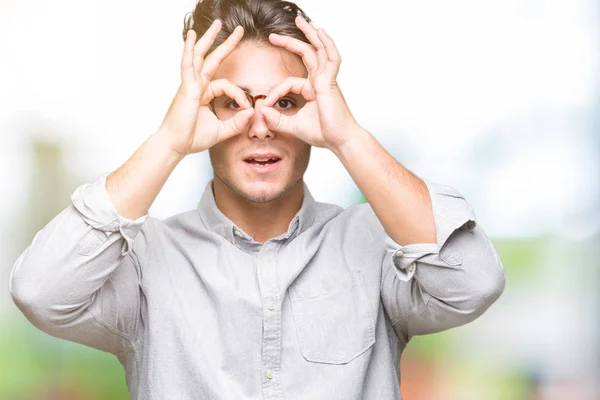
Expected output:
(262, 221)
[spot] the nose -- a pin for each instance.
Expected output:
(258, 124)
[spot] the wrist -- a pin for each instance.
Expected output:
(354, 138)
(162, 137)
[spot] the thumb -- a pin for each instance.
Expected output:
(238, 123)
(277, 121)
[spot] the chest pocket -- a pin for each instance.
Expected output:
(336, 325)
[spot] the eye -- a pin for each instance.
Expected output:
(233, 104)
(285, 103)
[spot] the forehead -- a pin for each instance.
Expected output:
(260, 67)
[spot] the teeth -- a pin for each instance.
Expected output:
(264, 159)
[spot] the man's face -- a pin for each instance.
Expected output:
(259, 68)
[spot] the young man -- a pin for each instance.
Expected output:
(261, 292)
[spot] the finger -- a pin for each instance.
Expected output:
(204, 43)
(290, 84)
(277, 121)
(333, 55)
(222, 87)
(215, 58)
(187, 59)
(303, 49)
(311, 34)
(236, 124)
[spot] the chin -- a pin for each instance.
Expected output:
(257, 191)
(264, 192)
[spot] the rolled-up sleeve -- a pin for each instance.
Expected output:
(96, 208)
(78, 279)
(429, 287)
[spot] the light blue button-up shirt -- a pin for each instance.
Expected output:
(194, 308)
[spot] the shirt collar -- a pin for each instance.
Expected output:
(217, 222)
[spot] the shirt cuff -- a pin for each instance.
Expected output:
(96, 208)
(451, 212)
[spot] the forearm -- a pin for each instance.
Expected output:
(75, 250)
(133, 187)
(56, 282)
(65, 264)
(73, 255)
(400, 199)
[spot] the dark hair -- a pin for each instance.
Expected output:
(259, 18)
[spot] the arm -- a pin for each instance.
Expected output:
(399, 198)
(440, 269)
(435, 275)
(133, 187)
(78, 279)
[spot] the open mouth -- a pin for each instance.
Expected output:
(262, 161)
(263, 165)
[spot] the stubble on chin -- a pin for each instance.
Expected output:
(261, 197)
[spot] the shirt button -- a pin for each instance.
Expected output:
(271, 305)
(238, 233)
(270, 373)
(470, 225)
(411, 267)
(399, 253)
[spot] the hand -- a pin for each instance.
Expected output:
(325, 120)
(189, 125)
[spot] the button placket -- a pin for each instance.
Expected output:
(269, 292)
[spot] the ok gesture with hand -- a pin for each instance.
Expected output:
(325, 120)
(189, 124)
